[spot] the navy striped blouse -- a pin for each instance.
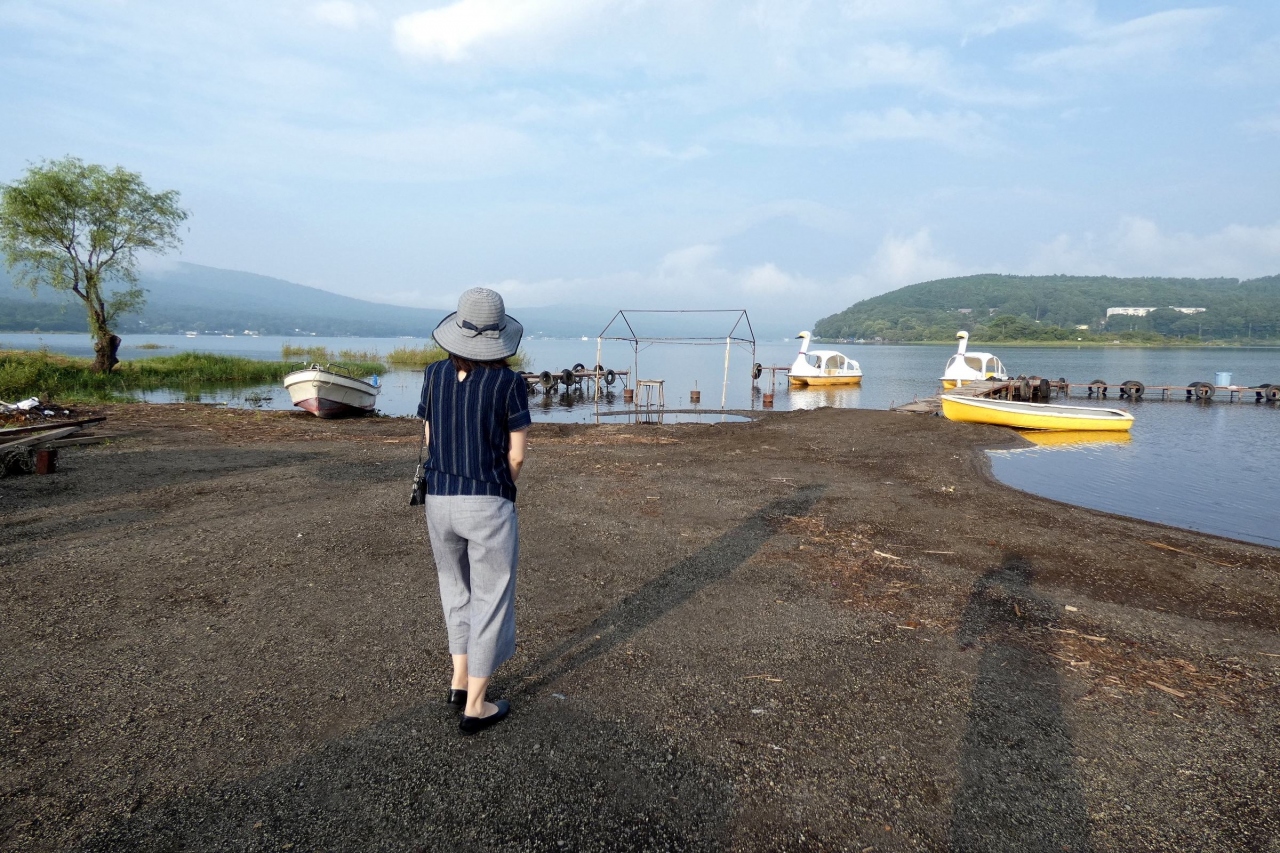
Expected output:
(470, 422)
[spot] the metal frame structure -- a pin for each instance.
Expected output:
(734, 338)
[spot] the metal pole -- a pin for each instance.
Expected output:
(598, 344)
(724, 391)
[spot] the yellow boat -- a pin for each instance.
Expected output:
(1011, 413)
(823, 367)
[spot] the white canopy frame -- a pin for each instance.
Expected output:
(740, 334)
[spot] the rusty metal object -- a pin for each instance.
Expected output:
(695, 397)
(47, 461)
(767, 400)
(628, 395)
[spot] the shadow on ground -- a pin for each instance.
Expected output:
(1019, 790)
(551, 778)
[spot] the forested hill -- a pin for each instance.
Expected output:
(1012, 307)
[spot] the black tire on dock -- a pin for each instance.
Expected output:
(566, 376)
(599, 368)
(1202, 390)
(1133, 389)
(1098, 387)
(545, 379)
(1273, 393)
(1024, 388)
(757, 370)
(579, 366)
(1045, 389)
(610, 377)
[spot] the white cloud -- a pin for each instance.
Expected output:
(1138, 246)
(769, 280)
(343, 14)
(456, 32)
(1258, 65)
(688, 261)
(662, 152)
(1263, 125)
(691, 277)
(1152, 38)
(907, 260)
(953, 128)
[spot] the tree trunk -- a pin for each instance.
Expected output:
(104, 353)
(105, 343)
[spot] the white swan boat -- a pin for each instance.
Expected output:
(822, 367)
(331, 392)
(967, 366)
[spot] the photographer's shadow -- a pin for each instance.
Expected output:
(1019, 790)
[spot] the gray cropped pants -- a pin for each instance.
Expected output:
(475, 542)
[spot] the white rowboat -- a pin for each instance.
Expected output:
(330, 392)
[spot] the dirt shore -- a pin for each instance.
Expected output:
(825, 630)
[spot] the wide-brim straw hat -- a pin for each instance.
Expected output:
(481, 329)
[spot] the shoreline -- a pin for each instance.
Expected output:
(224, 632)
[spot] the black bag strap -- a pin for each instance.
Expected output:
(422, 434)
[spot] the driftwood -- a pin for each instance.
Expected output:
(26, 430)
(34, 449)
(37, 438)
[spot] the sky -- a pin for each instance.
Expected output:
(790, 157)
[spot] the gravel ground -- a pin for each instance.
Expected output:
(823, 630)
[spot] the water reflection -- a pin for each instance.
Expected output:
(1071, 438)
(844, 397)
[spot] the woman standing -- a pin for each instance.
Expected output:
(476, 416)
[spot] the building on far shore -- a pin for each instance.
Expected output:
(1142, 312)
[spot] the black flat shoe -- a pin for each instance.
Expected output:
(472, 725)
(458, 698)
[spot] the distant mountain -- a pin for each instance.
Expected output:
(1009, 307)
(206, 299)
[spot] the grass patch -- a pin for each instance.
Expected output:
(293, 352)
(150, 345)
(358, 361)
(416, 356)
(54, 377)
(406, 357)
(359, 356)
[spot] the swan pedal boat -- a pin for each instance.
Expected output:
(1013, 413)
(822, 367)
(331, 392)
(967, 366)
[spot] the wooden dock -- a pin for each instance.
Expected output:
(1036, 389)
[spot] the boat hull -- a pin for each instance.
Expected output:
(330, 395)
(824, 380)
(1040, 416)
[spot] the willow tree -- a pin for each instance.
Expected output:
(79, 227)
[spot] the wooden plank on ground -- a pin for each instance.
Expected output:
(38, 438)
(26, 430)
(77, 440)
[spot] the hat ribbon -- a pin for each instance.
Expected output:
(480, 330)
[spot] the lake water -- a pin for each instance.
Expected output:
(1209, 467)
